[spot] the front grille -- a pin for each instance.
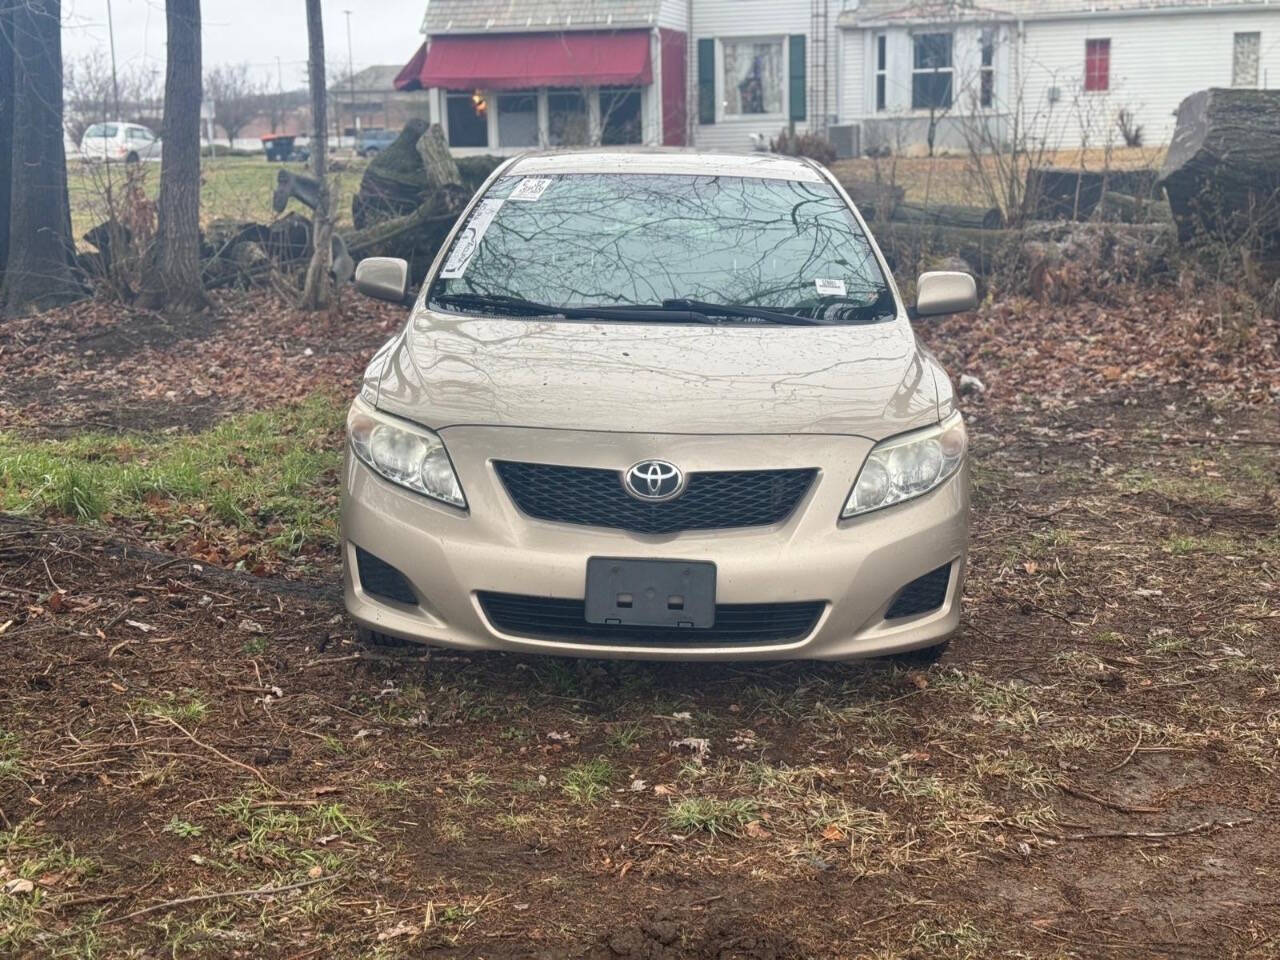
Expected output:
(381, 579)
(711, 501)
(737, 624)
(921, 595)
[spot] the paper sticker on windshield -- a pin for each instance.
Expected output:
(830, 288)
(530, 188)
(464, 248)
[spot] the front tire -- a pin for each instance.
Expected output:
(923, 658)
(380, 641)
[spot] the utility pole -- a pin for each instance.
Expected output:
(351, 77)
(115, 82)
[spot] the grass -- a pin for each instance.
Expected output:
(186, 709)
(257, 473)
(587, 781)
(711, 815)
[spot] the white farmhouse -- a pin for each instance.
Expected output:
(508, 75)
(1068, 71)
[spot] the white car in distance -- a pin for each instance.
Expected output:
(119, 142)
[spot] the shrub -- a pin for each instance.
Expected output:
(811, 145)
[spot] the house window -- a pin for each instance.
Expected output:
(1097, 66)
(568, 124)
(931, 71)
(754, 77)
(882, 65)
(1244, 59)
(518, 120)
(987, 69)
(467, 113)
(620, 116)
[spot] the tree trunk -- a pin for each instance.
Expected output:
(950, 215)
(315, 295)
(1222, 171)
(41, 254)
(875, 201)
(174, 283)
(6, 131)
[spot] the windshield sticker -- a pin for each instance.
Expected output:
(464, 248)
(830, 288)
(530, 188)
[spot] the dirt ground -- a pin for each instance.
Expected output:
(198, 761)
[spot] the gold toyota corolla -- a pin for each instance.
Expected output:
(658, 405)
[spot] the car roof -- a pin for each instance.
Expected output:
(679, 162)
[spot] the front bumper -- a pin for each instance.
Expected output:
(855, 567)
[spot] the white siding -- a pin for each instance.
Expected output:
(674, 14)
(729, 19)
(1156, 61)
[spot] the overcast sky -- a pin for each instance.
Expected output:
(253, 31)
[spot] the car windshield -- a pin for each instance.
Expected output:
(627, 240)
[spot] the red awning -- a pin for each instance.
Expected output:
(523, 61)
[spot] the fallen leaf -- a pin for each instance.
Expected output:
(833, 834)
(18, 886)
(756, 831)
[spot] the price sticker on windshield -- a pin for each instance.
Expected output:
(830, 288)
(468, 241)
(530, 188)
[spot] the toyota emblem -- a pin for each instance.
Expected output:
(654, 480)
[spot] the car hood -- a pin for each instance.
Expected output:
(871, 381)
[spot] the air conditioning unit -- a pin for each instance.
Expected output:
(846, 138)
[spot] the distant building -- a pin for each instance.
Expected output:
(370, 100)
(508, 75)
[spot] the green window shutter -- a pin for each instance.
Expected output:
(797, 85)
(707, 80)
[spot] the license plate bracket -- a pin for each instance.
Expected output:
(651, 593)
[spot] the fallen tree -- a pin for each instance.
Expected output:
(409, 200)
(1222, 171)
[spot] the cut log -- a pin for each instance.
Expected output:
(395, 183)
(1102, 253)
(1222, 171)
(298, 186)
(950, 215)
(875, 201)
(1058, 193)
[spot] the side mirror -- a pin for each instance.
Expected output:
(383, 278)
(944, 291)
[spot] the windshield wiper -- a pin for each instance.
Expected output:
(740, 310)
(501, 303)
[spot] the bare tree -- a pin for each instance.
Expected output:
(315, 294)
(236, 97)
(89, 92)
(6, 131)
(41, 255)
(174, 282)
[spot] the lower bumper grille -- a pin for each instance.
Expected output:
(737, 624)
(921, 595)
(381, 579)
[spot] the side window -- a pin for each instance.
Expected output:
(882, 69)
(109, 130)
(1097, 66)
(93, 131)
(1246, 51)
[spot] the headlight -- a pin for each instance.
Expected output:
(409, 455)
(907, 466)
